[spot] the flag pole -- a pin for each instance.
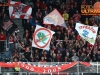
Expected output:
(6, 39)
(88, 53)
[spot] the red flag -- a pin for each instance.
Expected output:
(19, 10)
(54, 18)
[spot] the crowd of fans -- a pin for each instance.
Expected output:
(66, 44)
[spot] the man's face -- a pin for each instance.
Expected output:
(36, 21)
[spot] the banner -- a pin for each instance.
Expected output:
(42, 69)
(88, 33)
(8, 25)
(42, 37)
(19, 10)
(54, 18)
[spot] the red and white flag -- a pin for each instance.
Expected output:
(54, 18)
(19, 10)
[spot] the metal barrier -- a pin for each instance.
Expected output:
(31, 73)
(14, 73)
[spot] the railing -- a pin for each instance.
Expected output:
(61, 73)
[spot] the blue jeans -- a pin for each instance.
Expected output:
(11, 47)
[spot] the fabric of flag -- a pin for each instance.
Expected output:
(19, 10)
(42, 37)
(88, 33)
(54, 18)
(8, 25)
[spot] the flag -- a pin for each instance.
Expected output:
(8, 25)
(42, 37)
(19, 10)
(54, 18)
(88, 33)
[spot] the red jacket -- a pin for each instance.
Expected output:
(2, 37)
(43, 6)
(11, 39)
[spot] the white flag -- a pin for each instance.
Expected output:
(42, 37)
(88, 33)
(19, 10)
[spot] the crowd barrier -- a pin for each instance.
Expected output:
(79, 68)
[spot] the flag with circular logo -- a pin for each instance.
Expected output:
(42, 37)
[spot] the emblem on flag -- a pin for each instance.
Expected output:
(54, 18)
(88, 33)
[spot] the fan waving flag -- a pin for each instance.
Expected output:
(42, 37)
(19, 10)
(54, 18)
(88, 33)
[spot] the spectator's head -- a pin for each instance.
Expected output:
(54, 55)
(75, 3)
(83, 49)
(32, 27)
(60, 45)
(71, 6)
(94, 52)
(27, 21)
(36, 56)
(15, 60)
(27, 49)
(36, 21)
(36, 51)
(38, 10)
(61, 7)
(45, 52)
(3, 10)
(2, 32)
(64, 11)
(77, 12)
(26, 30)
(73, 51)
(22, 42)
(23, 56)
(42, 58)
(83, 54)
(43, 2)
(50, 1)
(66, 57)
(58, 51)
(38, 5)
(58, 27)
(98, 52)
(74, 54)
(66, 38)
(72, 21)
